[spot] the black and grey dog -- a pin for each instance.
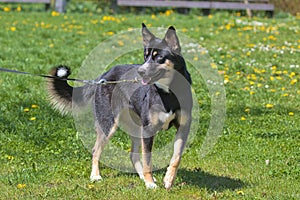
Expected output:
(160, 99)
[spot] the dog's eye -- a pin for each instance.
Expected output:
(159, 58)
(146, 54)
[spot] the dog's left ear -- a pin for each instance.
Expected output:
(172, 40)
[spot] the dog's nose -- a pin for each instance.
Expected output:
(141, 71)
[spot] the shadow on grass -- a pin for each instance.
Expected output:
(212, 182)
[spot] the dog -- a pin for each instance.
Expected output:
(161, 98)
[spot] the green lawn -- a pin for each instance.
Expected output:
(256, 157)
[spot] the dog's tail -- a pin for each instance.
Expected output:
(64, 97)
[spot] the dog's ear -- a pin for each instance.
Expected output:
(147, 35)
(172, 40)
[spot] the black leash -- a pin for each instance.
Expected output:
(101, 81)
(44, 76)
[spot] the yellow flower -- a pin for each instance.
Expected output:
(252, 92)
(292, 74)
(291, 114)
(13, 28)
(294, 81)
(243, 118)
(34, 106)
(6, 9)
(121, 43)
(268, 105)
(32, 118)
(110, 33)
(247, 110)
(54, 14)
(168, 12)
(213, 65)
(26, 110)
(240, 192)
(91, 186)
(18, 9)
(20, 186)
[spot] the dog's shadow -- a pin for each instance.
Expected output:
(209, 181)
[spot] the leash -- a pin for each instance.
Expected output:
(92, 82)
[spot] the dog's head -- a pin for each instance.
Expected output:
(162, 58)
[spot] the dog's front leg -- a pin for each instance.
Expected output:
(179, 144)
(147, 143)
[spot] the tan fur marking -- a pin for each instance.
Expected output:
(154, 53)
(183, 118)
(167, 121)
(168, 65)
(148, 177)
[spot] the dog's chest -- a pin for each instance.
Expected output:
(166, 118)
(162, 119)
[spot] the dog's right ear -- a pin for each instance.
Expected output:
(147, 35)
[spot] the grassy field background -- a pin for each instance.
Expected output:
(256, 157)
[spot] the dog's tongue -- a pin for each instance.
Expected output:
(146, 80)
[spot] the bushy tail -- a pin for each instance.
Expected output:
(64, 97)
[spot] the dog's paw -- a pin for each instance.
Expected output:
(167, 185)
(151, 185)
(95, 178)
(168, 182)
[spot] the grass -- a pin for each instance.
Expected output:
(256, 157)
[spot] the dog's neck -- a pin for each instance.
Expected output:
(165, 88)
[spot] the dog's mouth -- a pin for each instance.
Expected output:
(147, 80)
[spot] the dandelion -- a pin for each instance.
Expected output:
(34, 106)
(268, 105)
(120, 43)
(292, 74)
(110, 33)
(293, 82)
(168, 12)
(32, 118)
(13, 28)
(240, 192)
(18, 9)
(54, 14)
(243, 118)
(247, 110)
(291, 114)
(91, 186)
(21, 186)
(26, 110)
(213, 65)
(6, 9)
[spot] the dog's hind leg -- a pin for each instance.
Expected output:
(135, 156)
(100, 143)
